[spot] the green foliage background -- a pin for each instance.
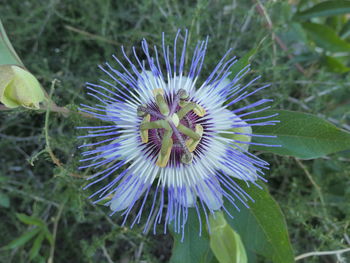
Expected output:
(66, 40)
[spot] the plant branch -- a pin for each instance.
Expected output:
(262, 11)
(323, 253)
(54, 233)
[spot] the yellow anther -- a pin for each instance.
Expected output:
(162, 104)
(191, 143)
(199, 110)
(144, 133)
(164, 158)
(158, 91)
(187, 106)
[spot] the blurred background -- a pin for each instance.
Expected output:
(305, 57)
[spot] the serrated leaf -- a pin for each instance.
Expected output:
(194, 248)
(262, 227)
(225, 243)
(4, 200)
(30, 220)
(8, 54)
(302, 135)
(23, 239)
(34, 251)
(326, 38)
(327, 8)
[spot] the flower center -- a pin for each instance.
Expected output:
(170, 127)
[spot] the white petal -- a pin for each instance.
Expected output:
(124, 197)
(123, 114)
(113, 153)
(242, 173)
(187, 198)
(147, 83)
(241, 137)
(222, 85)
(181, 82)
(211, 196)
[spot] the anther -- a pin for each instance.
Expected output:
(186, 107)
(199, 110)
(161, 103)
(192, 143)
(165, 150)
(144, 133)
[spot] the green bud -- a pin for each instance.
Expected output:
(18, 87)
(225, 243)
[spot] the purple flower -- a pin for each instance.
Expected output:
(169, 138)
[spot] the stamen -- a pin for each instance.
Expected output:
(144, 133)
(162, 105)
(199, 110)
(191, 143)
(188, 106)
(165, 151)
(186, 109)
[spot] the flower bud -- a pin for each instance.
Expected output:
(18, 87)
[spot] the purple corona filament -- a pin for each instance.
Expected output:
(165, 134)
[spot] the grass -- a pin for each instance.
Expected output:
(66, 40)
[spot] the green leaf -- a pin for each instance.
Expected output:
(302, 135)
(345, 31)
(48, 236)
(3, 179)
(194, 248)
(4, 200)
(34, 251)
(30, 220)
(335, 65)
(23, 239)
(243, 62)
(262, 227)
(8, 54)
(326, 38)
(225, 243)
(327, 8)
